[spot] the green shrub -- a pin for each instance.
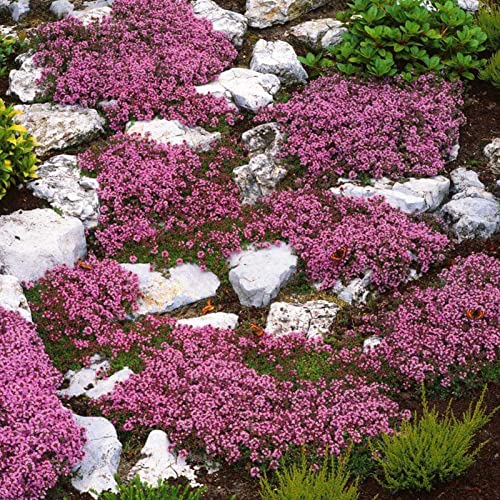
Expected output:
(390, 37)
(488, 18)
(17, 159)
(430, 449)
(8, 47)
(298, 482)
(491, 71)
(135, 490)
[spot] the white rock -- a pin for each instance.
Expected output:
(84, 379)
(60, 183)
(93, 12)
(217, 90)
(265, 13)
(187, 284)
(312, 318)
(159, 463)
(57, 127)
(463, 178)
(61, 8)
(263, 139)
(472, 217)
(278, 58)
(226, 321)
(95, 473)
(319, 33)
(258, 178)
(19, 9)
(35, 241)
(107, 385)
(23, 82)
(356, 291)
(258, 275)
(453, 154)
(469, 5)
(492, 152)
(12, 297)
(433, 190)
(232, 24)
(248, 89)
(371, 343)
(174, 132)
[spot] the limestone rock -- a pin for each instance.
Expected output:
(174, 132)
(371, 343)
(265, 13)
(469, 5)
(433, 190)
(278, 58)
(34, 241)
(187, 284)
(312, 318)
(319, 33)
(356, 291)
(58, 127)
(258, 274)
(232, 24)
(19, 8)
(463, 178)
(23, 82)
(62, 185)
(93, 12)
(226, 321)
(102, 457)
(263, 139)
(61, 8)
(12, 297)
(492, 152)
(158, 462)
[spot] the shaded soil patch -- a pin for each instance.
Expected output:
(20, 199)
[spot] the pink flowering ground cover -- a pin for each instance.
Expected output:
(341, 127)
(144, 61)
(39, 440)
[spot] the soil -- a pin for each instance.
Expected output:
(20, 199)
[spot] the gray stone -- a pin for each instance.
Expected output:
(263, 139)
(492, 152)
(34, 241)
(23, 82)
(19, 9)
(61, 8)
(469, 5)
(371, 343)
(60, 183)
(278, 58)
(232, 24)
(12, 297)
(158, 462)
(258, 274)
(93, 12)
(226, 321)
(186, 284)
(433, 190)
(356, 291)
(319, 33)
(313, 318)
(265, 13)
(463, 178)
(58, 127)
(174, 132)
(96, 472)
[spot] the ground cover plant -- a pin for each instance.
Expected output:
(155, 52)
(343, 127)
(488, 17)
(39, 440)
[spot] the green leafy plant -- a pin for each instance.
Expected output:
(430, 449)
(298, 482)
(491, 71)
(317, 63)
(391, 37)
(17, 159)
(135, 490)
(488, 18)
(8, 47)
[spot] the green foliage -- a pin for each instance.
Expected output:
(135, 490)
(317, 63)
(17, 160)
(298, 482)
(391, 37)
(488, 18)
(8, 47)
(430, 449)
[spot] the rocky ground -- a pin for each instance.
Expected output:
(262, 291)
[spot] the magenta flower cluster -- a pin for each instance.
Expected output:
(200, 390)
(341, 127)
(86, 303)
(143, 60)
(39, 439)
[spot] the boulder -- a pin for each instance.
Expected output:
(257, 275)
(356, 291)
(463, 179)
(12, 297)
(313, 318)
(60, 183)
(263, 139)
(432, 190)
(492, 152)
(96, 472)
(174, 132)
(186, 284)
(57, 127)
(265, 13)
(319, 33)
(61, 8)
(93, 12)
(247, 89)
(232, 24)
(278, 58)
(158, 462)
(469, 5)
(23, 82)
(225, 321)
(34, 241)
(18, 9)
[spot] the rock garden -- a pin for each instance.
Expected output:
(249, 250)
